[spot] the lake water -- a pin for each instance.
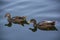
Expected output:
(37, 9)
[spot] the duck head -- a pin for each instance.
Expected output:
(32, 21)
(8, 15)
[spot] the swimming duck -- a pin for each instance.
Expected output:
(15, 20)
(44, 25)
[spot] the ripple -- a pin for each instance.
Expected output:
(39, 10)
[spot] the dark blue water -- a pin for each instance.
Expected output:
(38, 9)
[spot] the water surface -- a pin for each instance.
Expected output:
(37, 9)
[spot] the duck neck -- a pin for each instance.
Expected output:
(35, 23)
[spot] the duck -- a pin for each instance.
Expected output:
(44, 25)
(16, 20)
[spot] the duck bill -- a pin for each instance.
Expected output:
(28, 21)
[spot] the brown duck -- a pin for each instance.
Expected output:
(15, 20)
(44, 25)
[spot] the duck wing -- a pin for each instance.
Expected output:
(19, 17)
(47, 25)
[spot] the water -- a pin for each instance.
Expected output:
(37, 9)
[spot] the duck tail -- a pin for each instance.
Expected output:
(26, 22)
(55, 28)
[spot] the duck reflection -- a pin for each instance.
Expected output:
(15, 20)
(44, 25)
